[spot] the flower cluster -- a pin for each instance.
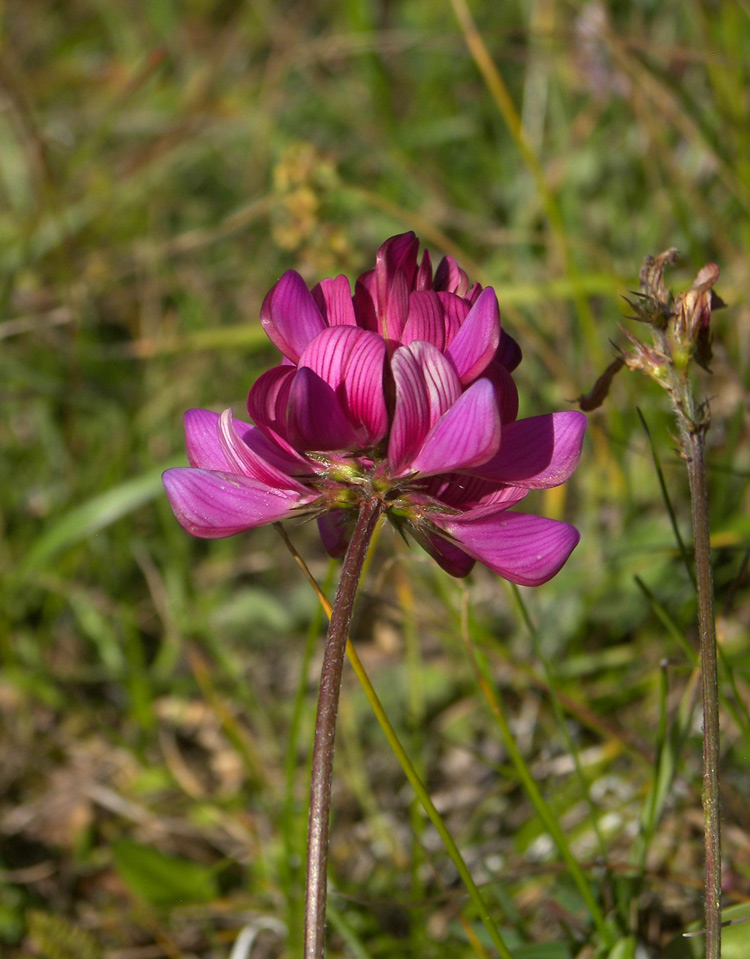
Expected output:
(403, 392)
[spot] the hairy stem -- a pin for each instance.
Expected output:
(693, 443)
(325, 728)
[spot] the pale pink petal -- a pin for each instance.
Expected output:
(468, 434)
(476, 342)
(289, 315)
(538, 452)
(528, 550)
(213, 504)
(316, 420)
(333, 298)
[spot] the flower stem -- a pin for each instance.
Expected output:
(325, 728)
(693, 447)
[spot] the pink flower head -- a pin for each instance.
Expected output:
(402, 392)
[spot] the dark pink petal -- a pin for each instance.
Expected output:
(423, 279)
(242, 458)
(352, 361)
(447, 555)
(465, 436)
(289, 315)
(393, 317)
(275, 451)
(411, 415)
(527, 550)
(425, 320)
(455, 311)
(397, 255)
(505, 390)
(463, 492)
(365, 311)
(269, 396)
(441, 379)
(395, 269)
(539, 452)
(336, 527)
(202, 440)
(476, 342)
(450, 277)
(508, 352)
(333, 298)
(316, 420)
(212, 504)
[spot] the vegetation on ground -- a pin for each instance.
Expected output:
(161, 165)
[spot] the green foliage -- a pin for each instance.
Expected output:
(160, 165)
(162, 880)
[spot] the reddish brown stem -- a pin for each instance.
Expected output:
(325, 728)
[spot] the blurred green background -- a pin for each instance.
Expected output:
(161, 164)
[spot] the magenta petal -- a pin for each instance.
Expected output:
(211, 504)
(351, 361)
(425, 320)
(468, 434)
(476, 342)
(316, 420)
(202, 441)
(289, 315)
(538, 452)
(334, 300)
(528, 550)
